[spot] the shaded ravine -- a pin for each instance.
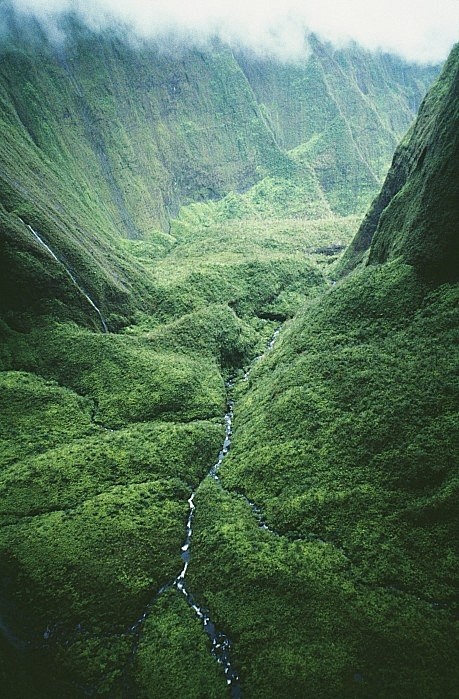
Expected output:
(220, 643)
(69, 273)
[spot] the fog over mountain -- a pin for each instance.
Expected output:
(419, 30)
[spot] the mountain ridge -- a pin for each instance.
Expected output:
(380, 232)
(323, 549)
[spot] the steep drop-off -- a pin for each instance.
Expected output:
(416, 214)
(168, 192)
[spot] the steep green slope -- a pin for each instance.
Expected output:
(104, 139)
(415, 216)
(193, 248)
(132, 126)
(195, 129)
(344, 583)
(342, 112)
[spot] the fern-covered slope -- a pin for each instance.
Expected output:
(346, 438)
(415, 215)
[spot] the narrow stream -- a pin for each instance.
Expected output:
(220, 643)
(70, 274)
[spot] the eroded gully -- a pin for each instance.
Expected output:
(220, 643)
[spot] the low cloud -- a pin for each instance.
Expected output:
(419, 30)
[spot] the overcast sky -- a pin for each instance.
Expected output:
(420, 30)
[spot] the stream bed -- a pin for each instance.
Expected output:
(220, 642)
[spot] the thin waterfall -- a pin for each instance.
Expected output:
(70, 274)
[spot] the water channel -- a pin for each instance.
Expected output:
(76, 283)
(220, 643)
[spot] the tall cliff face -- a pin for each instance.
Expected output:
(126, 133)
(416, 213)
(344, 111)
(130, 134)
(103, 140)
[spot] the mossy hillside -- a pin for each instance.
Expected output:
(93, 519)
(85, 164)
(258, 267)
(300, 619)
(199, 319)
(65, 475)
(99, 514)
(357, 425)
(37, 415)
(395, 90)
(174, 652)
(256, 288)
(345, 436)
(33, 284)
(48, 190)
(296, 96)
(294, 195)
(181, 101)
(77, 499)
(219, 231)
(88, 546)
(214, 331)
(262, 264)
(70, 124)
(72, 106)
(99, 557)
(414, 215)
(421, 223)
(125, 379)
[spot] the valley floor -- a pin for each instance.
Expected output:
(322, 548)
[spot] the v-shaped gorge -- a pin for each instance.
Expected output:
(191, 205)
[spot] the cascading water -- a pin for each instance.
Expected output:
(70, 274)
(220, 643)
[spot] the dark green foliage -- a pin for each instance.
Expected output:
(173, 653)
(62, 477)
(31, 406)
(195, 199)
(301, 619)
(345, 435)
(415, 215)
(122, 376)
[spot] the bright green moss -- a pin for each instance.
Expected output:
(174, 653)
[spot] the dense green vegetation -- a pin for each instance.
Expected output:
(346, 436)
(201, 201)
(415, 215)
(102, 139)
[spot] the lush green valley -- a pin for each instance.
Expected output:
(160, 217)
